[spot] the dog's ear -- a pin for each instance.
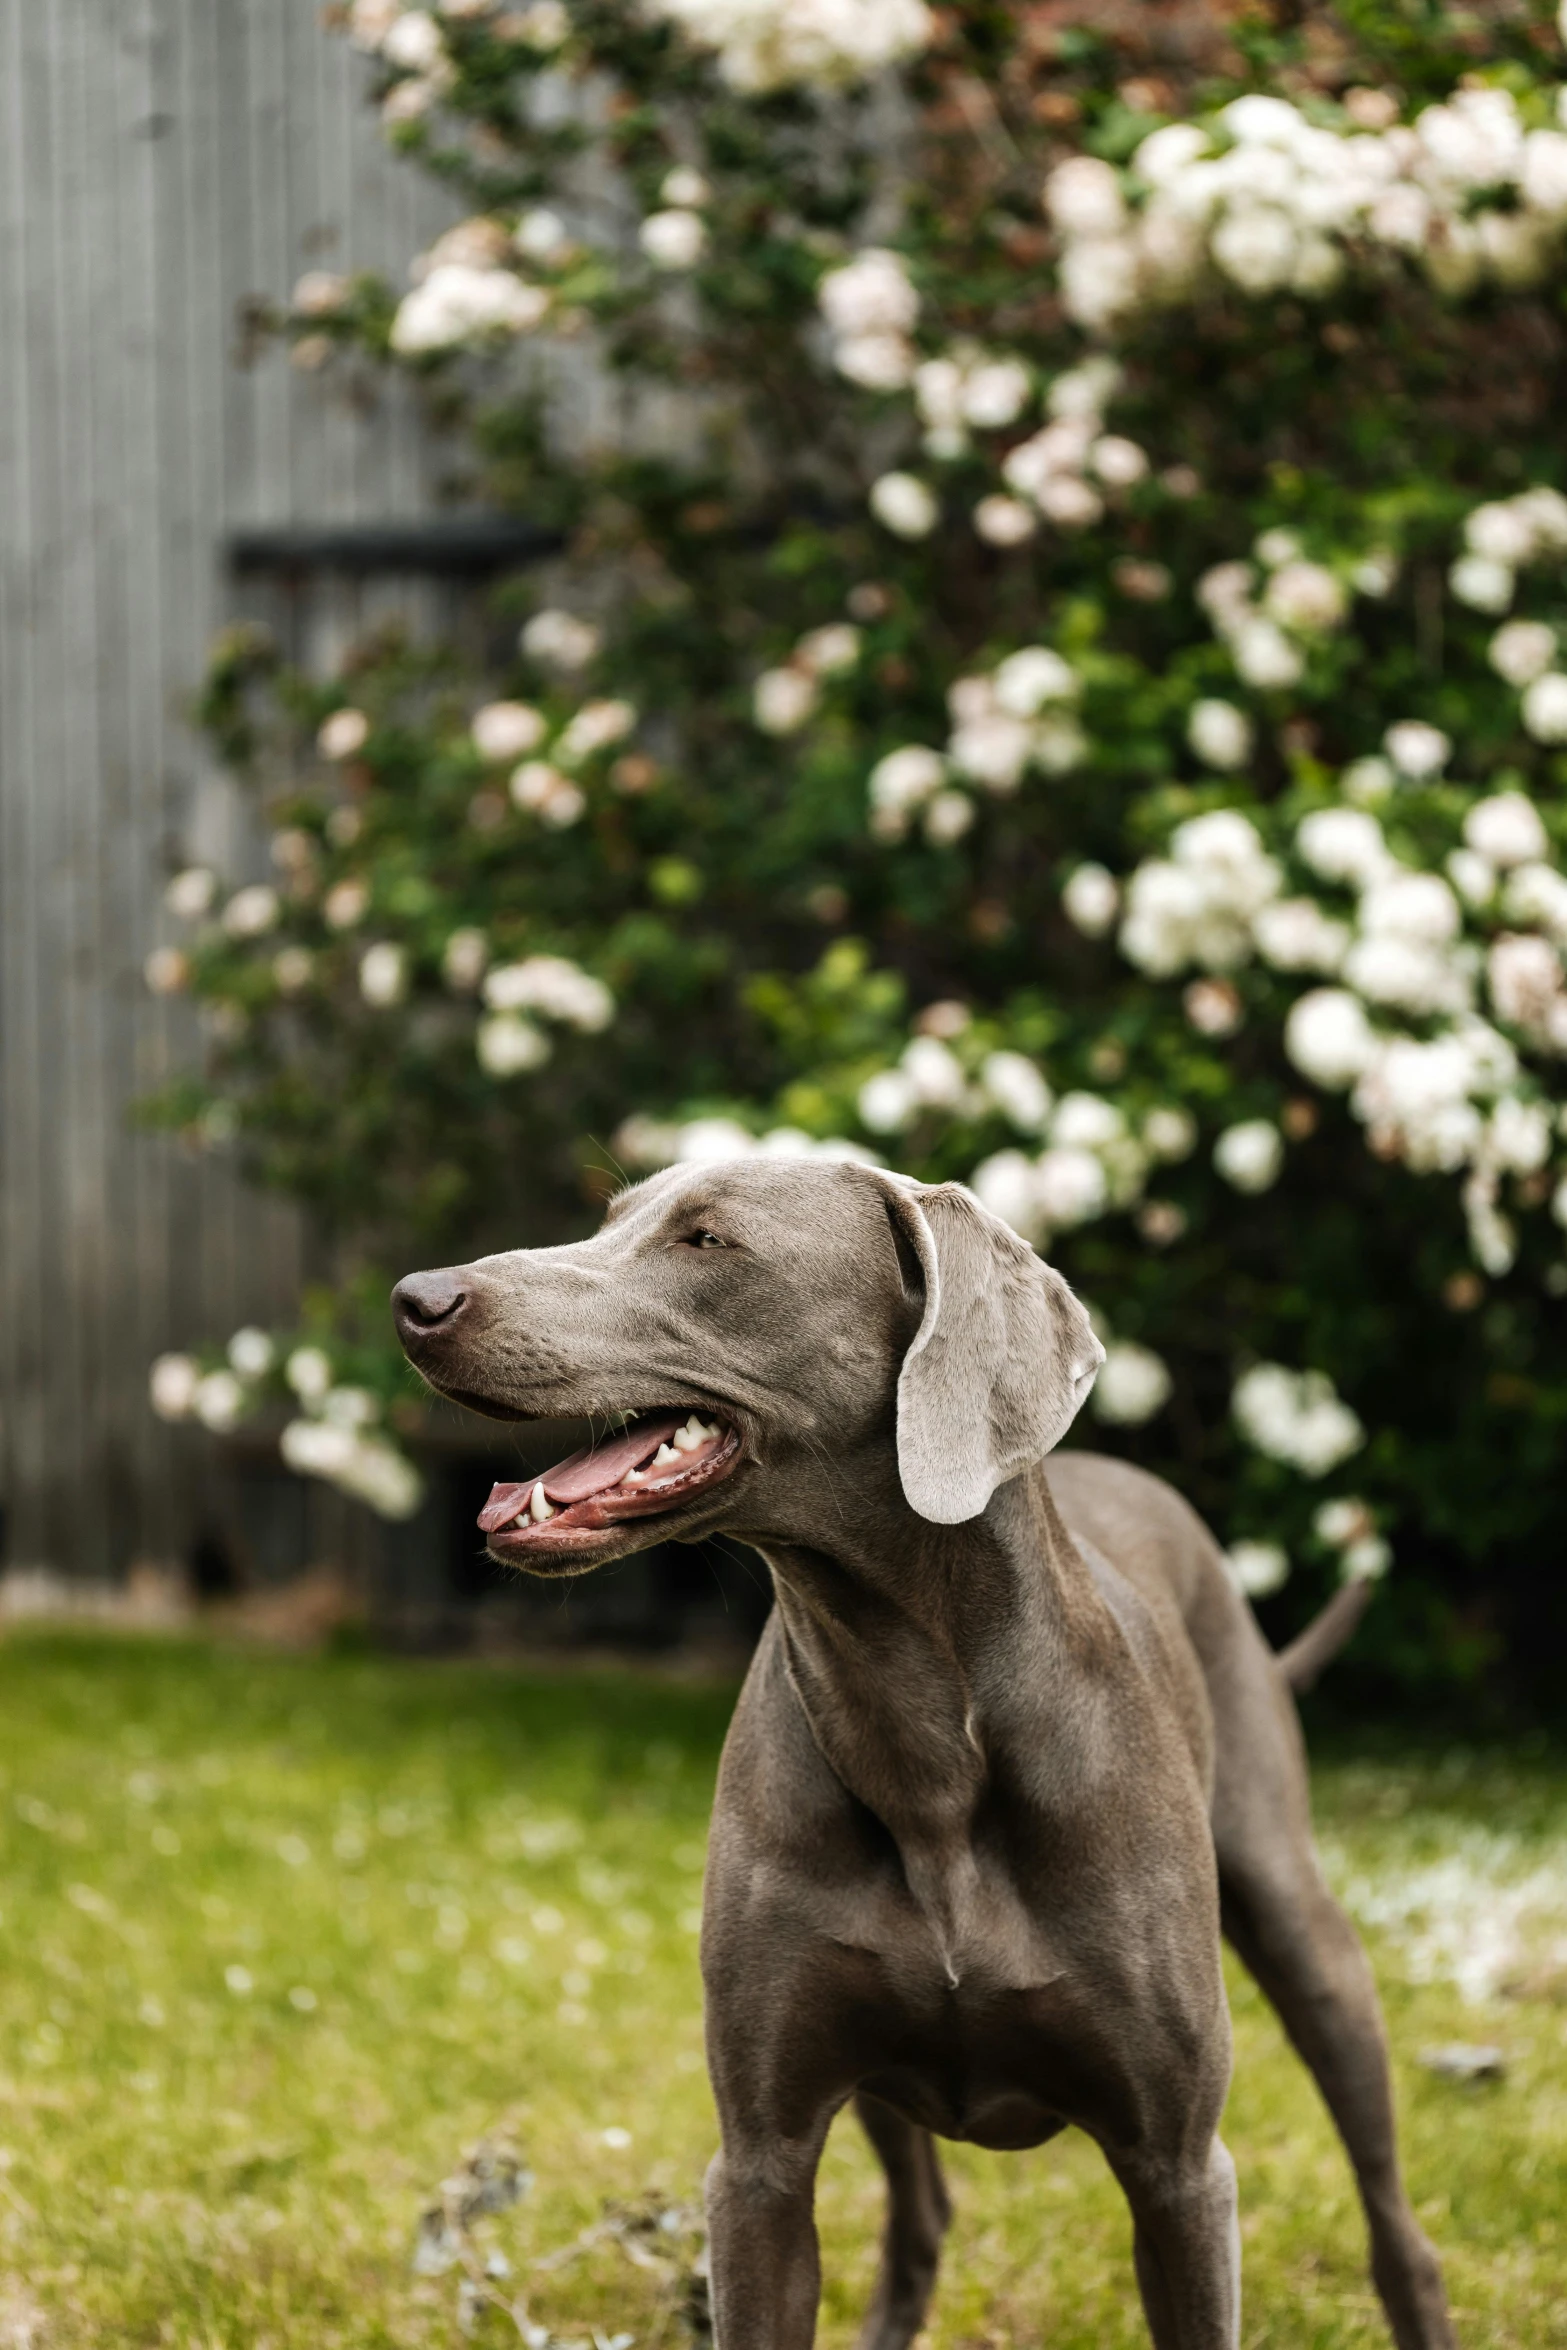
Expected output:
(1001, 1363)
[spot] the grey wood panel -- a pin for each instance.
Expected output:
(160, 160)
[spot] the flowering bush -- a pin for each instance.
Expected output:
(1055, 679)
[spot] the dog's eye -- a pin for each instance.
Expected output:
(702, 1238)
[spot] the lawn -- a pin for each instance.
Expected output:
(286, 1938)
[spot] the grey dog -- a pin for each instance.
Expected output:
(1011, 1753)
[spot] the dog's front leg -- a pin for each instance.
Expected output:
(1187, 2247)
(761, 2224)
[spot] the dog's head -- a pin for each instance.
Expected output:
(770, 1344)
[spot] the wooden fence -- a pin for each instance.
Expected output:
(160, 162)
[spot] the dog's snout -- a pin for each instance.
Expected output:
(426, 1302)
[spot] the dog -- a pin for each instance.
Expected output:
(1011, 1753)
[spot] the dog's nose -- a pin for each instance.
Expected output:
(426, 1302)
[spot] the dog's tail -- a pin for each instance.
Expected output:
(1324, 1636)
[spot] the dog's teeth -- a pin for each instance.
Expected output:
(687, 1439)
(664, 1453)
(636, 1476)
(539, 1508)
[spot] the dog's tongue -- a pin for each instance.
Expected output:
(591, 1471)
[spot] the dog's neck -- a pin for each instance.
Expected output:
(931, 1663)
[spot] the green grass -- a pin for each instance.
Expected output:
(284, 1937)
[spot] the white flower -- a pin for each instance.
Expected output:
(1165, 155)
(1537, 895)
(1068, 502)
(541, 790)
(870, 295)
(320, 293)
(1133, 1384)
(1329, 1038)
(1170, 1133)
(1414, 1097)
(250, 1353)
(887, 1101)
(1024, 682)
(995, 393)
(1471, 875)
(1295, 1416)
(1545, 707)
(783, 699)
(1506, 829)
(369, 21)
(458, 303)
(1256, 247)
(346, 902)
(1018, 1090)
(507, 1045)
(166, 971)
(994, 749)
(829, 651)
(1251, 1155)
(904, 505)
(1419, 906)
(414, 42)
(251, 911)
(881, 363)
(705, 1140)
(1416, 749)
(1091, 899)
(1264, 655)
(1518, 1135)
(900, 782)
(544, 25)
(1257, 1568)
(1008, 1185)
(1070, 1186)
(293, 968)
(1393, 968)
(1342, 844)
(190, 894)
(1083, 198)
(1085, 1121)
(218, 1401)
(172, 1384)
(1367, 1560)
(555, 986)
(309, 1373)
(1503, 532)
(383, 974)
(463, 960)
(1365, 781)
(685, 187)
(935, 1073)
(1482, 583)
(1219, 734)
(1305, 596)
(593, 728)
(560, 639)
(507, 730)
(1524, 974)
(540, 235)
(1118, 462)
(674, 239)
(948, 817)
(1004, 522)
(1342, 1521)
(1294, 934)
(1523, 650)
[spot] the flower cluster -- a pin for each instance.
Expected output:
(1013, 719)
(1296, 1417)
(767, 45)
(1268, 201)
(784, 698)
(548, 986)
(1269, 634)
(337, 1433)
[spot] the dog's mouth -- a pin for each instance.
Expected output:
(653, 1466)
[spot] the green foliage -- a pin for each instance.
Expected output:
(765, 946)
